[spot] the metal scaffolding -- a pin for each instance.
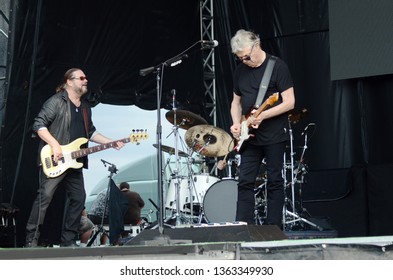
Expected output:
(209, 76)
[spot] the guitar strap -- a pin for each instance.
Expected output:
(85, 120)
(265, 80)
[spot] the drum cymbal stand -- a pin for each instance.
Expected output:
(292, 218)
(301, 168)
(179, 219)
(191, 185)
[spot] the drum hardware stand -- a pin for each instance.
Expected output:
(261, 204)
(301, 168)
(293, 216)
(113, 170)
(192, 189)
(178, 216)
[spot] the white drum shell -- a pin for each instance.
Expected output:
(199, 185)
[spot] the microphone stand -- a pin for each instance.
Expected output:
(159, 70)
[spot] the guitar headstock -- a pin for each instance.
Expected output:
(138, 135)
(272, 99)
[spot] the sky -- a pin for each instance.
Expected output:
(117, 122)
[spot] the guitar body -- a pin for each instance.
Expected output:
(53, 170)
(245, 126)
(72, 151)
(243, 137)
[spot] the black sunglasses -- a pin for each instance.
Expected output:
(246, 57)
(82, 78)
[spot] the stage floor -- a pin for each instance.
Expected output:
(253, 243)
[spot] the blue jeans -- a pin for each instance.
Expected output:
(251, 159)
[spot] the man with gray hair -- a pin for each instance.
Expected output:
(269, 127)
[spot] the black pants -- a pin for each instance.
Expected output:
(250, 162)
(72, 181)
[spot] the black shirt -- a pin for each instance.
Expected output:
(246, 84)
(77, 129)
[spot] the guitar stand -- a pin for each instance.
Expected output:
(113, 170)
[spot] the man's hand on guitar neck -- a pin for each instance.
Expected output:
(119, 145)
(255, 121)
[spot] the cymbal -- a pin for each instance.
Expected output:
(184, 119)
(296, 115)
(171, 150)
(209, 141)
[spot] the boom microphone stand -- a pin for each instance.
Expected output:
(159, 70)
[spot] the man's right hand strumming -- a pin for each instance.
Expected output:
(235, 130)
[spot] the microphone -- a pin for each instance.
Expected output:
(209, 44)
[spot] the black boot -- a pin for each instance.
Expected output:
(32, 238)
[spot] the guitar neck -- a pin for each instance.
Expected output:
(257, 113)
(268, 102)
(260, 109)
(86, 151)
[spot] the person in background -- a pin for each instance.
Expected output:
(135, 204)
(64, 117)
(270, 129)
(85, 229)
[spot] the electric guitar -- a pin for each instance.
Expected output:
(246, 124)
(72, 151)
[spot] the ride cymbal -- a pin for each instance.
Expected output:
(184, 119)
(171, 150)
(209, 141)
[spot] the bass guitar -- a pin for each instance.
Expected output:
(245, 125)
(72, 151)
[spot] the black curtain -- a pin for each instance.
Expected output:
(110, 42)
(352, 129)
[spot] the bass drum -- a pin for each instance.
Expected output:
(199, 184)
(219, 203)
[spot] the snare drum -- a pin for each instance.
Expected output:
(199, 185)
(220, 200)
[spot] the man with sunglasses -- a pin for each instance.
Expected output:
(269, 133)
(64, 117)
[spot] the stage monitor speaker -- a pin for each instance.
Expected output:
(231, 233)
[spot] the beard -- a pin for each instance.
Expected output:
(80, 90)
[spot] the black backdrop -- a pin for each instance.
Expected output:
(349, 157)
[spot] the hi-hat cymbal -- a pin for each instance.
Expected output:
(171, 150)
(209, 141)
(184, 119)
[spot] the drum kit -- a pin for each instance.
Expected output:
(194, 196)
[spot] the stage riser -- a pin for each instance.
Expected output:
(235, 233)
